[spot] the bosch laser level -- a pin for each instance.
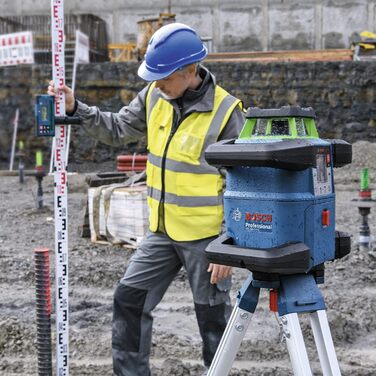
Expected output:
(280, 220)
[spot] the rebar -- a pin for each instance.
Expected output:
(43, 310)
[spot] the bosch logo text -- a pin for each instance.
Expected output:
(258, 222)
(257, 217)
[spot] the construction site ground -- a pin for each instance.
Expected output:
(95, 269)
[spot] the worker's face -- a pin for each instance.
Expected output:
(174, 86)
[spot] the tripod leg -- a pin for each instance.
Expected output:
(324, 343)
(235, 329)
(295, 345)
(230, 342)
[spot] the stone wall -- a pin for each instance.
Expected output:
(343, 95)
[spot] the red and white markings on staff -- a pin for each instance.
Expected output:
(61, 207)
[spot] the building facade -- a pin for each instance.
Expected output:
(242, 25)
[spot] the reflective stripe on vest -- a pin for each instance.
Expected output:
(178, 176)
(189, 201)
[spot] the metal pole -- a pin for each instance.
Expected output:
(14, 140)
(39, 176)
(52, 156)
(61, 199)
(364, 239)
(324, 343)
(295, 345)
(21, 169)
(230, 342)
(21, 166)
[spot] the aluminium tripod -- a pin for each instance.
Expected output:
(296, 293)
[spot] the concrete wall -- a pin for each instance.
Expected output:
(233, 25)
(343, 95)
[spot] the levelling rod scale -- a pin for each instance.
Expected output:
(49, 125)
(60, 195)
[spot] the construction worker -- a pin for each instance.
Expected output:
(182, 110)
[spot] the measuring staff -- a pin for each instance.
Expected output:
(47, 125)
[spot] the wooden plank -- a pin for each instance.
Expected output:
(293, 55)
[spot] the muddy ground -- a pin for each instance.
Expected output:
(350, 292)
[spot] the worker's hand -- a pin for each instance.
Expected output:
(219, 272)
(69, 97)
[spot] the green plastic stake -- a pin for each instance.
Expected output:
(38, 158)
(364, 179)
(20, 145)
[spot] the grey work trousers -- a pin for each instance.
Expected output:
(151, 270)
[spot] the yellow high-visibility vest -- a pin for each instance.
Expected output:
(179, 180)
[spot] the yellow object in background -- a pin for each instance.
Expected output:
(367, 34)
(368, 40)
(38, 158)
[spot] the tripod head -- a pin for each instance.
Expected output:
(280, 199)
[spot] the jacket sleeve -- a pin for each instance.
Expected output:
(116, 129)
(234, 125)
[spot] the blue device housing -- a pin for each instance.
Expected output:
(269, 207)
(279, 207)
(279, 201)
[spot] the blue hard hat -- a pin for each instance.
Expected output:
(170, 48)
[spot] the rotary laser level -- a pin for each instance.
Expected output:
(280, 219)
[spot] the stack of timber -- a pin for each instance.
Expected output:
(283, 56)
